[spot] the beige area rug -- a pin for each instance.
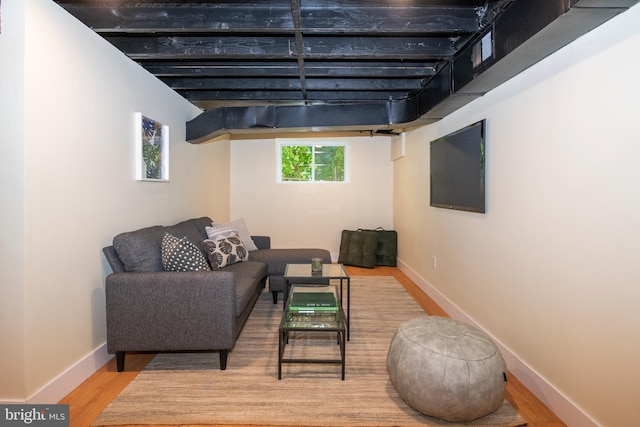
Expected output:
(190, 389)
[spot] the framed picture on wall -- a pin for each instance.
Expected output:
(152, 149)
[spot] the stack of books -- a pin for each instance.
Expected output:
(313, 303)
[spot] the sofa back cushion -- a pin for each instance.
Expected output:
(140, 250)
(201, 224)
(189, 230)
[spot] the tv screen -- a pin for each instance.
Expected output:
(457, 169)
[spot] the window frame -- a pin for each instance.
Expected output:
(313, 143)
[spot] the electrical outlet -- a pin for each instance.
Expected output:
(434, 263)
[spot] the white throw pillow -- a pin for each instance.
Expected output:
(243, 232)
(221, 231)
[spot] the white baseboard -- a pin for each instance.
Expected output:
(67, 381)
(563, 407)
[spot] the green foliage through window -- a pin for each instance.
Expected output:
(309, 163)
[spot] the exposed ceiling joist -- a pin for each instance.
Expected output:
(334, 49)
(381, 64)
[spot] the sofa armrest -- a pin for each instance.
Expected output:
(262, 242)
(113, 259)
(164, 311)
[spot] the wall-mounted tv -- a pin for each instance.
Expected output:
(457, 169)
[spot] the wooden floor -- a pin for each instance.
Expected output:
(91, 397)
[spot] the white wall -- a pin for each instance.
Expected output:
(11, 193)
(550, 270)
(72, 188)
(303, 215)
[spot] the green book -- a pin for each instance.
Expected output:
(313, 301)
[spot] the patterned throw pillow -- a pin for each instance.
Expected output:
(243, 231)
(221, 231)
(181, 255)
(225, 251)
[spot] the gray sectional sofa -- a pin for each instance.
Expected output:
(150, 309)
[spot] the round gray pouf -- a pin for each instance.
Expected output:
(446, 369)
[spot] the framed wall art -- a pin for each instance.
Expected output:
(152, 149)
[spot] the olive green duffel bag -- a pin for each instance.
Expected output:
(368, 248)
(358, 248)
(387, 247)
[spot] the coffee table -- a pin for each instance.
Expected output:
(302, 274)
(316, 319)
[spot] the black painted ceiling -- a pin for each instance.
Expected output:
(321, 63)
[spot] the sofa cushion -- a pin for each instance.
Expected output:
(139, 250)
(189, 230)
(179, 254)
(200, 224)
(247, 275)
(225, 251)
(262, 242)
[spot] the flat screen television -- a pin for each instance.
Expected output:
(457, 169)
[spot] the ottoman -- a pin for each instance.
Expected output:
(446, 369)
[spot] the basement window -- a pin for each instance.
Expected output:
(317, 161)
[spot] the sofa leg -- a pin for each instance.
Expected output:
(275, 296)
(120, 361)
(223, 359)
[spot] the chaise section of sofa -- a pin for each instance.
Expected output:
(277, 260)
